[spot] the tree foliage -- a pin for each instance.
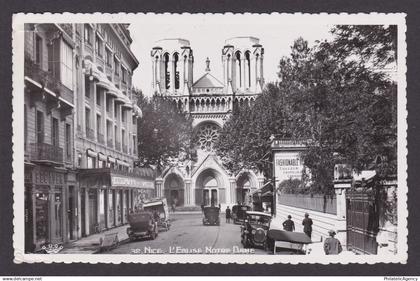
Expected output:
(375, 44)
(245, 138)
(338, 103)
(164, 132)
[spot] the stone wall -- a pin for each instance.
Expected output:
(322, 222)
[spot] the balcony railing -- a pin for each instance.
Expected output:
(90, 133)
(117, 145)
(48, 79)
(101, 138)
(45, 78)
(46, 153)
(110, 143)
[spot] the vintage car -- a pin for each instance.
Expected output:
(160, 211)
(254, 229)
(287, 242)
(142, 224)
(211, 216)
(238, 213)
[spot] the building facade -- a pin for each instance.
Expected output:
(49, 101)
(80, 132)
(210, 102)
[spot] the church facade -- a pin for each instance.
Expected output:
(210, 102)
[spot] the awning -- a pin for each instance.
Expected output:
(111, 159)
(123, 163)
(91, 153)
(102, 157)
(137, 110)
(127, 105)
(106, 178)
(119, 100)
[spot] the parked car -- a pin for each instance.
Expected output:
(160, 211)
(211, 216)
(238, 213)
(287, 242)
(254, 229)
(142, 224)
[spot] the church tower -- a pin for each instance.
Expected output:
(172, 66)
(242, 59)
(203, 180)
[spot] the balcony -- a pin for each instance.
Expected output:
(90, 133)
(47, 79)
(117, 145)
(47, 153)
(101, 138)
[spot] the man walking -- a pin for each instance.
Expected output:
(332, 245)
(307, 225)
(288, 224)
(227, 215)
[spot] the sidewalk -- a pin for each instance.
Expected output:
(91, 243)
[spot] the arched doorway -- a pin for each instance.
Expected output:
(174, 190)
(209, 189)
(245, 186)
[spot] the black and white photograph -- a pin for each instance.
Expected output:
(231, 138)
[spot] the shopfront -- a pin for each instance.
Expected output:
(111, 195)
(45, 206)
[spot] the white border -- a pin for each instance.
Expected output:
(18, 139)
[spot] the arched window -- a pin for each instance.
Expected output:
(248, 69)
(167, 72)
(176, 71)
(238, 70)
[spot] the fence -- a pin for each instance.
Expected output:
(319, 203)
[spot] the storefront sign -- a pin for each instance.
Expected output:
(288, 165)
(46, 176)
(131, 182)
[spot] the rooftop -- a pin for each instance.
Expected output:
(208, 81)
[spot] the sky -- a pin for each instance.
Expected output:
(207, 34)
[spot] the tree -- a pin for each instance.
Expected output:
(376, 44)
(341, 107)
(164, 132)
(331, 96)
(245, 138)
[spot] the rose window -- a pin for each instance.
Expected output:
(207, 135)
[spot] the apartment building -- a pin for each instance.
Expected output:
(106, 128)
(50, 180)
(80, 132)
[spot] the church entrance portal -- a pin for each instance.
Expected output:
(245, 187)
(209, 189)
(174, 190)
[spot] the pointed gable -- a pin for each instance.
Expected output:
(208, 81)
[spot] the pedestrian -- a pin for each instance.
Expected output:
(332, 245)
(288, 224)
(307, 225)
(227, 215)
(202, 208)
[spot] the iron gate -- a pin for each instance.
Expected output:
(362, 220)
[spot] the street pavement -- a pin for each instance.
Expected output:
(188, 235)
